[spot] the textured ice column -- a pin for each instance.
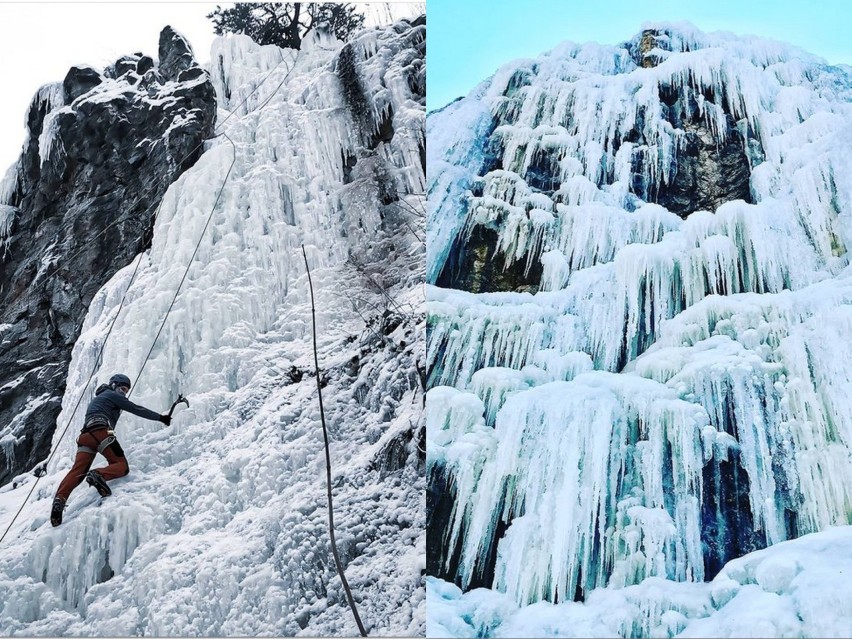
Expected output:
(458, 443)
(8, 186)
(816, 186)
(777, 390)
(817, 414)
(494, 385)
(562, 367)
(91, 551)
(594, 233)
(649, 290)
(467, 334)
(741, 394)
(239, 66)
(567, 454)
(455, 154)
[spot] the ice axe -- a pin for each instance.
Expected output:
(180, 400)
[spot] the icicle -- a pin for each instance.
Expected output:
(7, 218)
(458, 441)
(610, 438)
(467, 335)
(50, 128)
(48, 98)
(455, 153)
(9, 184)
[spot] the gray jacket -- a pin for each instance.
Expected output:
(108, 405)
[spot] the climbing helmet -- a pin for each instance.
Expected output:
(119, 380)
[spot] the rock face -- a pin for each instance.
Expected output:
(175, 54)
(477, 266)
(647, 43)
(708, 173)
(80, 204)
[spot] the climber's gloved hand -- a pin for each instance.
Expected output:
(166, 419)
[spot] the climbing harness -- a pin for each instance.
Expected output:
(96, 422)
(108, 441)
(133, 277)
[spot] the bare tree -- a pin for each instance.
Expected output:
(286, 24)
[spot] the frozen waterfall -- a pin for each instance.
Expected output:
(638, 312)
(220, 528)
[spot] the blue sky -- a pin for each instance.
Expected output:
(470, 39)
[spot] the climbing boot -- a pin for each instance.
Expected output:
(56, 511)
(93, 478)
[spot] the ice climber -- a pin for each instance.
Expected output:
(97, 437)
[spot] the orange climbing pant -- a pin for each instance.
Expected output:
(117, 466)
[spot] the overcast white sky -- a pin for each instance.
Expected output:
(39, 42)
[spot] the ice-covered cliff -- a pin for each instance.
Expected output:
(640, 299)
(220, 528)
(102, 148)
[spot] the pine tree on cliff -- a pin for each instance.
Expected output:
(286, 24)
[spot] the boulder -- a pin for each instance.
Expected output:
(175, 54)
(80, 80)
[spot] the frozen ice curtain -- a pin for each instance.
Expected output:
(191, 279)
(637, 305)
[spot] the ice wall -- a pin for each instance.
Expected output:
(220, 528)
(604, 226)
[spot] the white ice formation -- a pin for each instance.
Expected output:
(220, 528)
(798, 588)
(655, 394)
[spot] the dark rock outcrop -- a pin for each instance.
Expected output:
(124, 64)
(82, 213)
(175, 54)
(475, 265)
(708, 173)
(647, 43)
(79, 80)
(144, 64)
